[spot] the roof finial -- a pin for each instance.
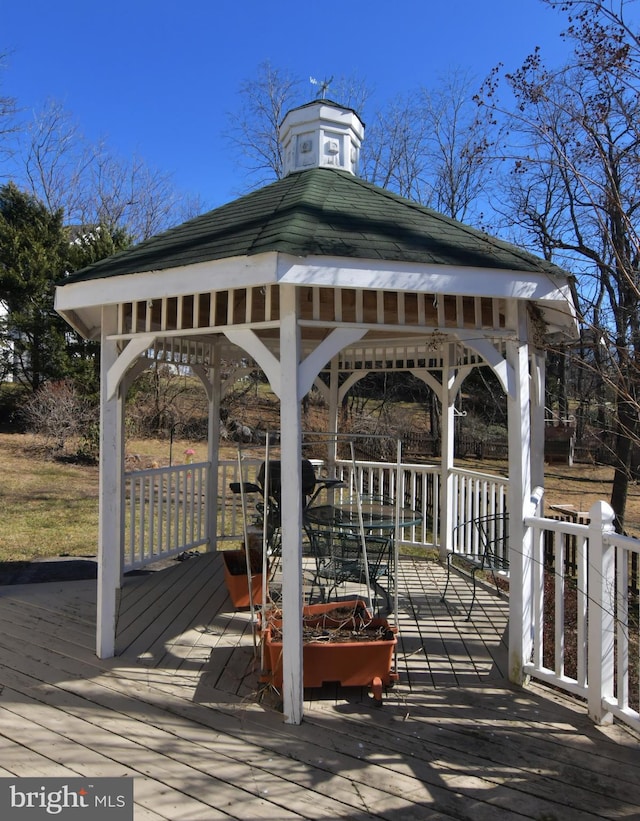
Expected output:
(323, 87)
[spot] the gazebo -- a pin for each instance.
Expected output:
(322, 272)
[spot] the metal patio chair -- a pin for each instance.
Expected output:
(488, 539)
(269, 489)
(339, 559)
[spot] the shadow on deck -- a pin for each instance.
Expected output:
(178, 711)
(181, 618)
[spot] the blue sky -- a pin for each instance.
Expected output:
(157, 77)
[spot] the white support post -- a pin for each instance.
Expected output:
(334, 411)
(537, 420)
(213, 385)
(110, 503)
(447, 454)
(602, 613)
(291, 482)
(520, 538)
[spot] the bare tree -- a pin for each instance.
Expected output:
(7, 118)
(394, 149)
(61, 414)
(253, 130)
(130, 195)
(430, 146)
(457, 147)
(93, 186)
(573, 138)
(56, 159)
(165, 401)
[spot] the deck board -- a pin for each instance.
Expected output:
(181, 710)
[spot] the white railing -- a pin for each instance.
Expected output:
(415, 486)
(165, 512)
(231, 518)
(419, 490)
(478, 495)
(594, 654)
(475, 496)
(552, 540)
(618, 613)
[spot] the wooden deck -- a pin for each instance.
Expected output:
(179, 710)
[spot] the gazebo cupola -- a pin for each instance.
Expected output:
(321, 134)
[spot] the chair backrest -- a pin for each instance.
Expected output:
(494, 538)
(485, 540)
(379, 555)
(343, 548)
(275, 473)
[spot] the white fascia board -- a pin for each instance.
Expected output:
(201, 277)
(262, 269)
(436, 279)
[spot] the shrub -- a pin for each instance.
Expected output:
(62, 416)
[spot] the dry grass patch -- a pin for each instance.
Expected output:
(50, 508)
(47, 508)
(582, 485)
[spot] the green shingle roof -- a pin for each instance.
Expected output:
(320, 212)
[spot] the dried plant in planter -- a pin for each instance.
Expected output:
(341, 642)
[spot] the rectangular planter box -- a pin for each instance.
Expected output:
(235, 577)
(350, 663)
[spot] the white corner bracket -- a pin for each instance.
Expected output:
(135, 348)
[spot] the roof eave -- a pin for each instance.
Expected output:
(78, 301)
(236, 272)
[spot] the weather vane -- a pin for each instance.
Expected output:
(323, 86)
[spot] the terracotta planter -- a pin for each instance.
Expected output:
(350, 662)
(235, 576)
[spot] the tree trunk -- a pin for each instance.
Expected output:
(626, 431)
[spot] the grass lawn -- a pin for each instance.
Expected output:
(47, 508)
(50, 508)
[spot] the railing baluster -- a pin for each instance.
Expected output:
(622, 629)
(582, 610)
(559, 589)
(182, 506)
(161, 504)
(538, 597)
(152, 510)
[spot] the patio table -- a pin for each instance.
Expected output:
(373, 514)
(374, 520)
